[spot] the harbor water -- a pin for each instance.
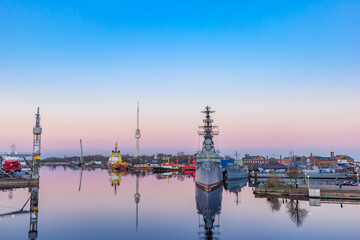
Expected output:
(92, 204)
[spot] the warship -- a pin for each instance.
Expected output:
(208, 171)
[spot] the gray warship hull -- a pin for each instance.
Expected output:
(235, 172)
(208, 205)
(208, 175)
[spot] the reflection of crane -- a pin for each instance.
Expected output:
(81, 164)
(34, 208)
(19, 212)
(137, 200)
(81, 173)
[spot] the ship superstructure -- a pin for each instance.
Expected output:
(208, 162)
(115, 160)
(11, 161)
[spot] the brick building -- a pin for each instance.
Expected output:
(285, 161)
(248, 160)
(323, 162)
(344, 159)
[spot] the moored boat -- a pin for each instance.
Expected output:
(115, 160)
(235, 172)
(166, 168)
(10, 161)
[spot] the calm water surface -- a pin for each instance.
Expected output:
(169, 207)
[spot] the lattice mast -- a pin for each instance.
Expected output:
(208, 130)
(137, 132)
(37, 130)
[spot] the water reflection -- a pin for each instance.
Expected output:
(235, 186)
(274, 203)
(208, 205)
(296, 213)
(137, 200)
(115, 178)
(34, 210)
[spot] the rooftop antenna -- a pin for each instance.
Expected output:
(137, 132)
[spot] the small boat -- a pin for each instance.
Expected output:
(115, 160)
(10, 161)
(234, 172)
(166, 168)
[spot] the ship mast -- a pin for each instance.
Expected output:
(208, 130)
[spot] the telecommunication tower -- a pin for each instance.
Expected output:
(37, 130)
(137, 132)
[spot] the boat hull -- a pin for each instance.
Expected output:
(235, 173)
(11, 165)
(208, 175)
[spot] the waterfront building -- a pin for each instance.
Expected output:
(344, 159)
(248, 160)
(285, 161)
(323, 162)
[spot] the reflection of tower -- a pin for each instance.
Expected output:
(208, 205)
(137, 132)
(34, 201)
(36, 145)
(137, 200)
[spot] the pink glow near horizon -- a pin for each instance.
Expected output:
(165, 130)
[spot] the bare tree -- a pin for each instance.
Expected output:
(274, 203)
(296, 213)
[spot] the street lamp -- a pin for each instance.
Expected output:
(308, 182)
(357, 175)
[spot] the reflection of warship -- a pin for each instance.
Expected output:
(208, 205)
(235, 187)
(208, 162)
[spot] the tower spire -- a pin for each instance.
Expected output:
(137, 132)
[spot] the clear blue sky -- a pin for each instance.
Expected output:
(279, 65)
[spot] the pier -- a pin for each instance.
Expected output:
(315, 191)
(17, 178)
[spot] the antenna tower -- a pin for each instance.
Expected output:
(137, 132)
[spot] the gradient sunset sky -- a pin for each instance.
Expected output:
(281, 75)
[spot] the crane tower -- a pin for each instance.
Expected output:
(37, 130)
(137, 132)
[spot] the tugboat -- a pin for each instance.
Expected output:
(115, 160)
(208, 162)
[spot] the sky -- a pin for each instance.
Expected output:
(281, 75)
